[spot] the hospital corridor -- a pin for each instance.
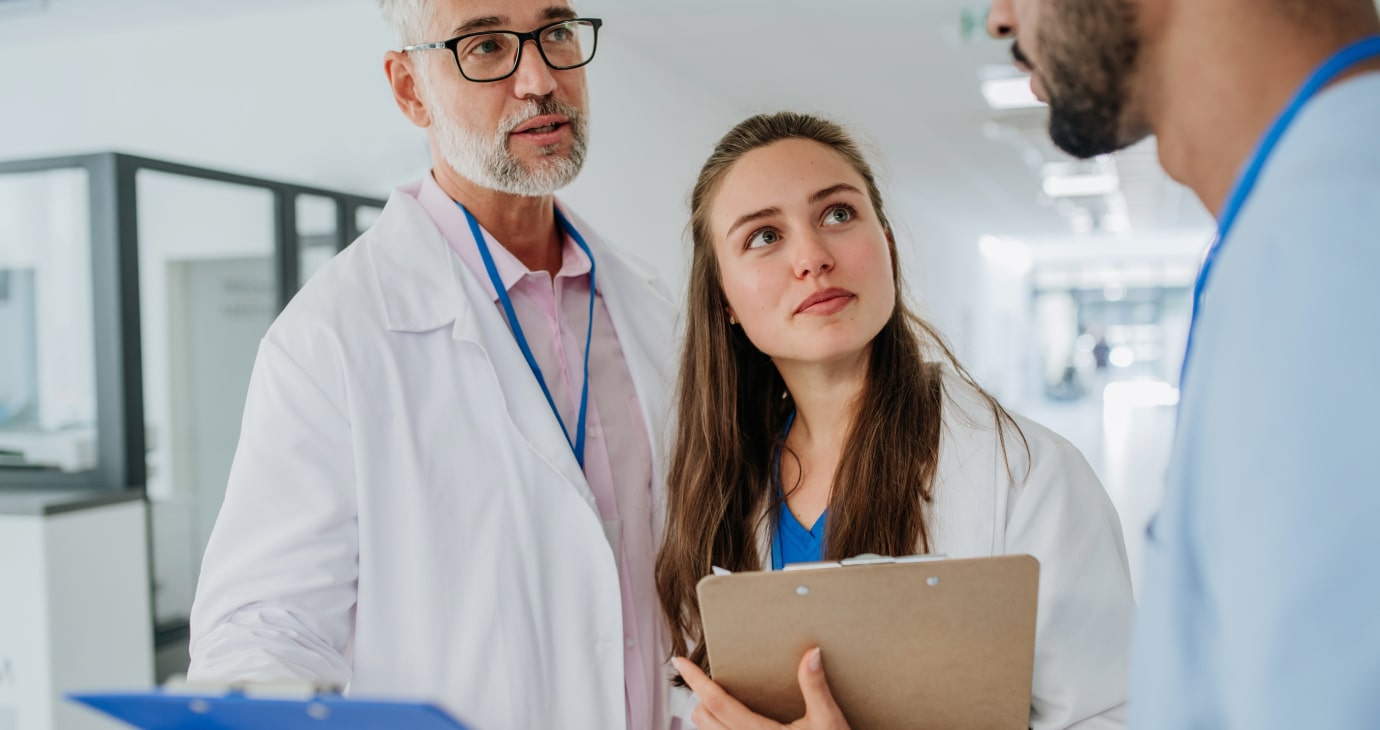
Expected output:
(420, 358)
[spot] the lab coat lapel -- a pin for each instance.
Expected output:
(527, 406)
(426, 286)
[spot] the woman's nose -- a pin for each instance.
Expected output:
(812, 256)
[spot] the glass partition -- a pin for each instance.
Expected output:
(318, 234)
(133, 296)
(47, 359)
(366, 216)
(207, 291)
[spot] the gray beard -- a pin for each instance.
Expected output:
(487, 161)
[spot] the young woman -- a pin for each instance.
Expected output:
(820, 419)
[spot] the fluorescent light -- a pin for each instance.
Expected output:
(1081, 186)
(1139, 394)
(1010, 93)
(1013, 256)
(1122, 356)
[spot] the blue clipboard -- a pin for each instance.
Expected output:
(159, 710)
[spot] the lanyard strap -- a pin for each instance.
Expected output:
(778, 553)
(578, 444)
(1343, 61)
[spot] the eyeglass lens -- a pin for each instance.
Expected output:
(494, 55)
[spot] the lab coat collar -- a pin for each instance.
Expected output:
(415, 268)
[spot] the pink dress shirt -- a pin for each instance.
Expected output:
(554, 314)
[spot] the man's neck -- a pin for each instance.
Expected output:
(1220, 82)
(526, 227)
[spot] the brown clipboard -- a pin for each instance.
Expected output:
(907, 643)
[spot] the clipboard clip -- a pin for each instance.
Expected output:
(864, 559)
(867, 559)
(279, 690)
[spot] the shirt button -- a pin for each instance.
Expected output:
(630, 643)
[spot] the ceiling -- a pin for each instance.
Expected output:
(903, 74)
(21, 17)
(906, 75)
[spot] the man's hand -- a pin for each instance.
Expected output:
(719, 711)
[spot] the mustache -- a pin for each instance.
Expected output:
(541, 107)
(1020, 56)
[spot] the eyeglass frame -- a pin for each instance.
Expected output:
(532, 35)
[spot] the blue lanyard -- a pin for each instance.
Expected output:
(578, 445)
(1343, 61)
(778, 553)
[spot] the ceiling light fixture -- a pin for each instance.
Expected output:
(1013, 256)
(1081, 186)
(1010, 93)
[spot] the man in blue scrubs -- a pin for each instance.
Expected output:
(1261, 601)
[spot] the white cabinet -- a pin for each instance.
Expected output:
(74, 605)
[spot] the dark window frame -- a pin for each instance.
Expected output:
(118, 344)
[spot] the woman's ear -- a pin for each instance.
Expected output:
(732, 318)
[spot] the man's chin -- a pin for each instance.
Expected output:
(1084, 134)
(549, 175)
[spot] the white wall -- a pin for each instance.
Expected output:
(297, 92)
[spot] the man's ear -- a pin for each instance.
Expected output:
(407, 91)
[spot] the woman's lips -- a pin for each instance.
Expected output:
(827, 301)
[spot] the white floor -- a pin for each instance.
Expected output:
(1128, 446)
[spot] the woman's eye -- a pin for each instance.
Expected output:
(764, 237)
(838, 214)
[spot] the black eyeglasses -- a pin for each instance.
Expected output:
(494, 55)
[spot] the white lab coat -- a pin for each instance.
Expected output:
(404, 513)
(1052, 506)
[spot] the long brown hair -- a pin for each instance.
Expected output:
(733, 405)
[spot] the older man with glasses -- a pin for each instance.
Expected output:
(447, 479)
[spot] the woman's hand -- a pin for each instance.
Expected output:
(719, 711)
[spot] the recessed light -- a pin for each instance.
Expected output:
(1010, 93)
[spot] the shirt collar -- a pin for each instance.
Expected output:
(456, 229)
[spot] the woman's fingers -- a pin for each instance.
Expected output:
(717, 707)
(719, 710)
(821, 711)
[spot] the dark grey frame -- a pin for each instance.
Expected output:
(118, 345)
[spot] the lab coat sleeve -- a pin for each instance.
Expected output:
(1061, 515)
(277, 591)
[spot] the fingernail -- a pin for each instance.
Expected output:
(675, 662)
(815, 663)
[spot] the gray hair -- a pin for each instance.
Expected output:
(410, 19)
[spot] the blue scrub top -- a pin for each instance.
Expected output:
(1260, 606)
(792, 543)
